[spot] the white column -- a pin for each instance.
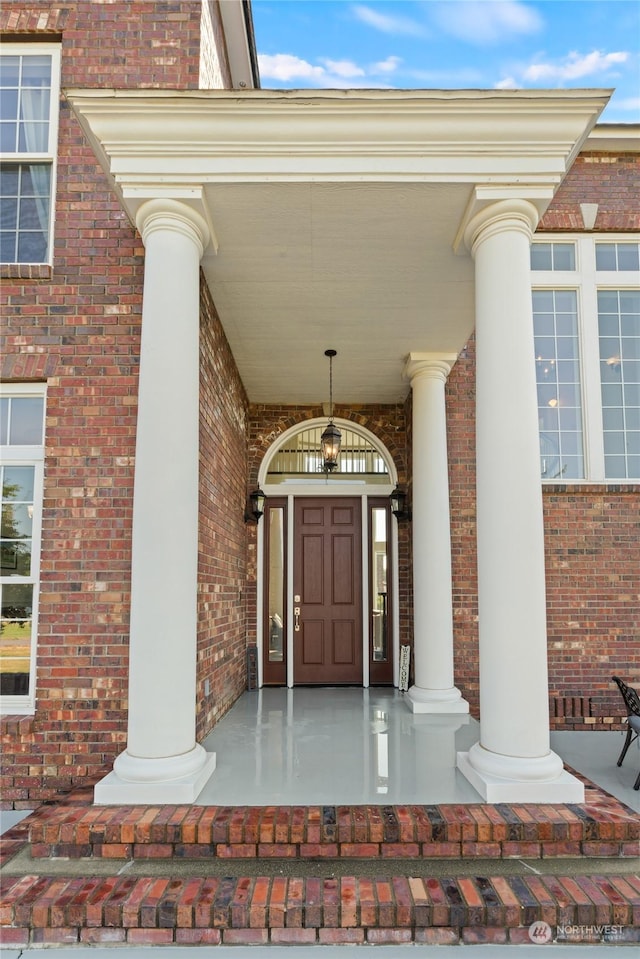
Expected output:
(434, 691)
(513, 761)
(162, 762)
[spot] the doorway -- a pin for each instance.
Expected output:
(327, 570)
(327, 588)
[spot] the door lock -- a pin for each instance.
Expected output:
(296, 619)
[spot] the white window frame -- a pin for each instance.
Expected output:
(587, 281)
(28, 456)
(49, 157)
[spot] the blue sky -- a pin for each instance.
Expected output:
(502, 44)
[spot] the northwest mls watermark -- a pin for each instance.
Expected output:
(541, 932)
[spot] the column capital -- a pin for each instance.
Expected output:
(433, 365)
(173, 216)
(500, 217)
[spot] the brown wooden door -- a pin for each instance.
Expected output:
(327, 638)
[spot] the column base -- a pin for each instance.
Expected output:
(421, 700)
(113, 790)
(524, 787)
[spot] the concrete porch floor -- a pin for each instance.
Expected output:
(346, 745)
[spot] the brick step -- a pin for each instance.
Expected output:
(287, 910)
(602, 828)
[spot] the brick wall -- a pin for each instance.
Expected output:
(223, 534)
(78, 327)
(610, 180)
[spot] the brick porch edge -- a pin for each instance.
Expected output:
(284, 910)
(602, 827)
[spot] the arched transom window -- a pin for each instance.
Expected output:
(298, 458)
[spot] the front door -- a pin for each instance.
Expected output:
(327, 591)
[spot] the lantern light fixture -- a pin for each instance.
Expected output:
(399, 506)
(256, 499)
(331, 436)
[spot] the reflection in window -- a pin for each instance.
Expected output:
(21, 437)
(555, 319)
(619, 338)
(276, 580)
(379, 592)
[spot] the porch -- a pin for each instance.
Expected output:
(347, 746)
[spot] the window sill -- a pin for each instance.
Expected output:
(26, 271)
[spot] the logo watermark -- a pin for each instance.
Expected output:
(541, 932)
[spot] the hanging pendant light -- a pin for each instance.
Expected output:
(331, 435)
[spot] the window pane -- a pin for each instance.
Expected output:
(564, 256)
(540, 256)
(619, 341)
(15, 637)
(628, 258)
(617, 256)
(276, 556)
(9, 214)
(379, 593)
(26, 421)
(605, 256)
(25, 201)
(559, 384)
(32, 248)
(553, 256)
(33, 137)
(4, 420)
(8, 137)
(9, 71)
(36, 70)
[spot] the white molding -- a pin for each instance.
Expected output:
(478, 136)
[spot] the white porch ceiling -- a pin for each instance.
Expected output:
(337, 216)
(367, 269)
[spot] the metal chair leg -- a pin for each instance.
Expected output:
(636, 784)
(627, 743)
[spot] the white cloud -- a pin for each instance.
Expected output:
(389, 24)
(343, 68)
(507, 84)
(390, 65)
(575, 66)
(285, 67)
(486, 21)
(627, 103)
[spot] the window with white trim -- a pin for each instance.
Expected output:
(22, 412)
(586, 310)
(29, 93)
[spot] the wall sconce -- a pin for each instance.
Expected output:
(256, 499)
(331, 436)
(399, 506)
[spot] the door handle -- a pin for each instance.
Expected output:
(296, 619)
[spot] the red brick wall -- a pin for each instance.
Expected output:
(120, 44)
(78, 327)
(610, 180)
(223, 534)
